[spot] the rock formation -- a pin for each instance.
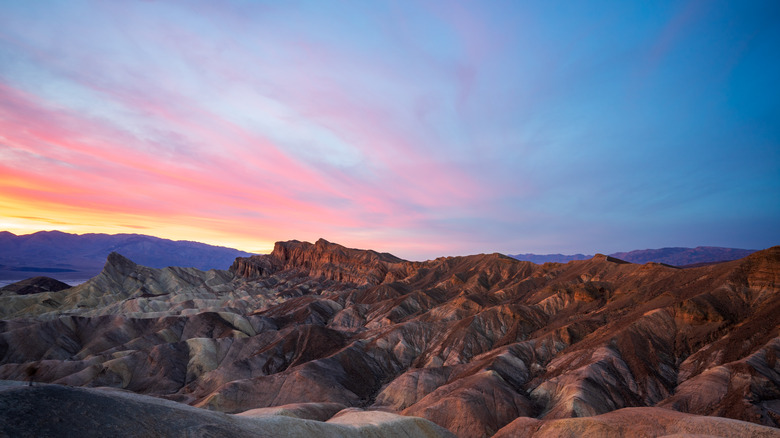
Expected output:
(480, 345)
(321, 260)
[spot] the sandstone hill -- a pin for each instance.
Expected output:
(480, 345)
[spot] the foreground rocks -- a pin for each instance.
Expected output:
(56, 411)
(474, 344)
(639, 423)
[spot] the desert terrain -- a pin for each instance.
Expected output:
(320, 338)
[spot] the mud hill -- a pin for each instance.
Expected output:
(480, 345)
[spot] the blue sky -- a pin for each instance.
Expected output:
(418, 128)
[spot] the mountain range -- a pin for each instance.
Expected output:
(675, 256)
(335, 337)
(69, 257)
(78, 257)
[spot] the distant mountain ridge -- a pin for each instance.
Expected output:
(72, 256)
(675, 256)
(545, 258)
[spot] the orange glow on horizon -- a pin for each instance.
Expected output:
(195, 174)
(27, 218)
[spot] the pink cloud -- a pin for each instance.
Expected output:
(111, 171)
(182, 157)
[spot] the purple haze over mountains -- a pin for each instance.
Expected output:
(78, 257)
(675, 256)
(70, 257)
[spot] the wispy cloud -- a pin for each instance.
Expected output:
(423, 129)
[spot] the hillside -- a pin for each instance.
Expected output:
(481, 345)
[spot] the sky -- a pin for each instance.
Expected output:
(424, 128)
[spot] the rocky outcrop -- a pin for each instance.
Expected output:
(319, 260)
(474, 344)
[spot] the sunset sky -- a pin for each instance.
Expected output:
(418, 128)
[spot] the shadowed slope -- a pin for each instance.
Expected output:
(56, 411)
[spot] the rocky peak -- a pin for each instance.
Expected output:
(606, 258)
(117, 259)
(118, 268)
(118, 262)
(305, 254)
(320, 259)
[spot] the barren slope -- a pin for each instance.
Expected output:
(57, 411)
(470, 343)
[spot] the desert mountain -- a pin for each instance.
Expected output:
(71, 256)
(684, 256)
(670, 256)
(480, 345)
